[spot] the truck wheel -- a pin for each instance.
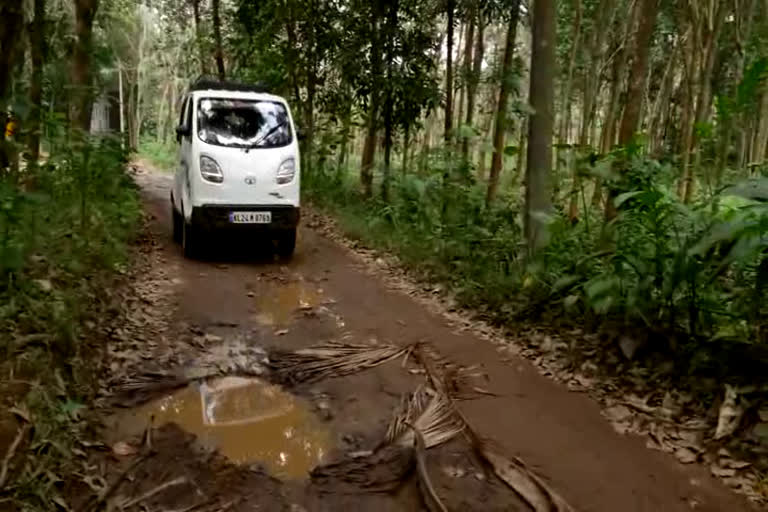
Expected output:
(189, 240)
(178, 225)
(286, 243)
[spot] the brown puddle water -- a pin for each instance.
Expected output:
(277, 306)
(247, 420)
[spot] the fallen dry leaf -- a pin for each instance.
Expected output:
(686, 455)
(124, 449)
(721, 471)
(730, 413)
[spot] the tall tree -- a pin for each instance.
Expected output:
(37, 55)
(467, 72)
(198, 37)
(639, 72)
(500, 128)
(219, 49)
(390, 29)
(82, 93)
(450, 10)
(473, 80)
(369, 148)
(541, 124)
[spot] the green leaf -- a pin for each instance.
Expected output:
(571, 301)
(511, 150)
(564, 282)
(626, 196)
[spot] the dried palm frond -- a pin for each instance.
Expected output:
(428, 411)
(143, 388)
(513, 472)
(332, 359)
(431, 499)
(459, 382)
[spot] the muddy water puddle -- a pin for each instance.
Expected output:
(248, 421)
(277, 305)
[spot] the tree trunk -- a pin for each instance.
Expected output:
(450, 9)
(565, 120)
(217, 40)
(639, 73)
(605, 12)
(500, 127)
(711, 33)
(473, 79)
(10, 30)
(391, 27)
(468, 78)
(82, 93)
(661, 107)
(369, 148)
(198, 37)
(541, 124)
(37, 53)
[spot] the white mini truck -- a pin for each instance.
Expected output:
(238, 167)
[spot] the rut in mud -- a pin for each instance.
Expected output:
(243, 383)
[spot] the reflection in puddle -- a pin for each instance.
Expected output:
(248, 420)
(277, 306)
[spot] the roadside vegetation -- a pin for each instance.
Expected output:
(68, 214)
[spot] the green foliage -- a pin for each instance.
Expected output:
(161, 155)
(60, 234)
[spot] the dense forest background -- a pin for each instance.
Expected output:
(600, 158)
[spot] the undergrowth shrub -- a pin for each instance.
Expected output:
(687, 272)
(65, 225)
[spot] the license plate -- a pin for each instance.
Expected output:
(250, 217)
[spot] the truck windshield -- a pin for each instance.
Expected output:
(243, 123)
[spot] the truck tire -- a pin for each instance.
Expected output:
(178, 225)
(286, 244)
(189, 240)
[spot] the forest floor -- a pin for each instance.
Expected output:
(240, 305)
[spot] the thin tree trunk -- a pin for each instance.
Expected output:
(500, 127)
(662, 105)
(541, 124)
(391, 27)
(37, 53)
(473, 80)
(711, 29)
(369, 148)
(639, 72)
(605, 11)
(198, 37)
(219, 49)
(82, 100)
(565, 120)
(121, 101)
(468, 79)
(450, 9)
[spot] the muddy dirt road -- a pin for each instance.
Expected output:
(326, 293)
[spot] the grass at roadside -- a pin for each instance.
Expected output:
(161, 155)
(66, 230)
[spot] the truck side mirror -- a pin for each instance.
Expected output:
(301, 135)
(182, 131)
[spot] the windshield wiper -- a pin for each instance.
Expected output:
(271, 132)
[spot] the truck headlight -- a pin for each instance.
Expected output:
(210, 170)
(286, 172)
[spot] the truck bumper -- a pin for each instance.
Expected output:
(216, 217)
